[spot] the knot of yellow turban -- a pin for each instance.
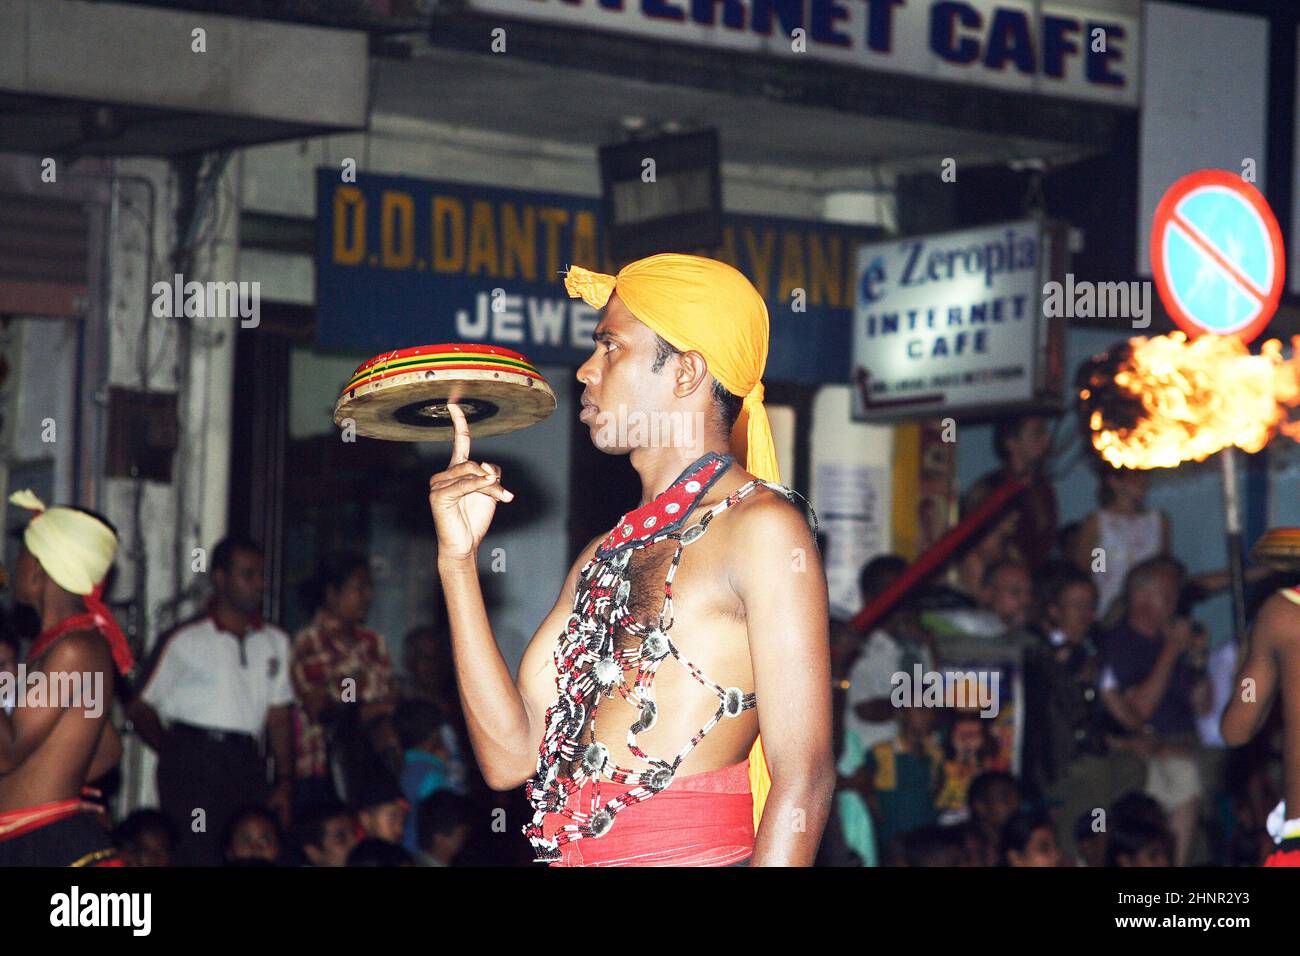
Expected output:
(706, 306)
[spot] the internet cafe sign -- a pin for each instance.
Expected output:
(1065, 50)
(954, 323)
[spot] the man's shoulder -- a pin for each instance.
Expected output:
(84, 646)
(191, 628)
(1279, 618)
(768, 514)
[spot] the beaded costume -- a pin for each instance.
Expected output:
(590, 667)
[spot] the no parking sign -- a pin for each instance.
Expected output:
(1217, 256)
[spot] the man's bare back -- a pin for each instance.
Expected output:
(59, 747)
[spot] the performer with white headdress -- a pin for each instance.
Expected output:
(59, 735)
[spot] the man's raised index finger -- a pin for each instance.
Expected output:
(460, 443)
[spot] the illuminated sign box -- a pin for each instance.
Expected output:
(953, 324)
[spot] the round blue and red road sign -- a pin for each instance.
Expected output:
(1217, 256)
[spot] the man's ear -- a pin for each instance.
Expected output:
(692, 373)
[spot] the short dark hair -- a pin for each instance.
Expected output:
(929, 846)
(1060, 576)
(251, 811)
(727, 405)
(415, 722)
(1144, 573)
(223, 555)
(442, 811)
(981, 788)
(1018, 831)
(1132, 837)
(332, 571)
(143, 821)
(1004, 431)
(878, 572)
(309, 827)
(1137, 807)
(990, 572)
(376, 852)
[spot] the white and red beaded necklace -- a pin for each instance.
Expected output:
(590, 668)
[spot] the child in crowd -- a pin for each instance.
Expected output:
(381, 810)
(443, 821)
(1028, 840)
(424, 766)
(994, 798)
(145, 838)
(902, 776)
(252, 836)
(326, 835)
(971, 749)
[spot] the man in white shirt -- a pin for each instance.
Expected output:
(217, 690)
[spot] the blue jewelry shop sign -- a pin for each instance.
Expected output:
(403, 262)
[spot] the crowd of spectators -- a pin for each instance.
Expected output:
(1108, 752)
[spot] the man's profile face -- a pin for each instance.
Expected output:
(243, 584)
(621, 388)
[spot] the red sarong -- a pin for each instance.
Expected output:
(49, 834)
(1287, 854)
(702, 819)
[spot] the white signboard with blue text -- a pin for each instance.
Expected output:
(950, 323)
(1082, 50)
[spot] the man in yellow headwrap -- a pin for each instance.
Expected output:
(59, 735)
(601, 725)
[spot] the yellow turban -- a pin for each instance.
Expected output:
(75, 549)
(702, 305)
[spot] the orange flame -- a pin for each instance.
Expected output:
(1200, 397)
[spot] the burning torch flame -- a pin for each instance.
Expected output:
(1163, 401)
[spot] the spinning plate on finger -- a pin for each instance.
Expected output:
(403, 395)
